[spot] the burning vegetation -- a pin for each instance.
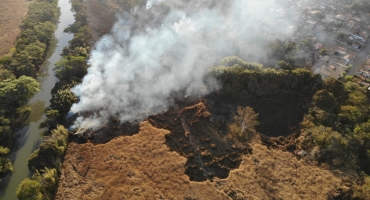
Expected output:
(235, 131)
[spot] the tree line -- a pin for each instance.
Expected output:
(17, 72)
(46, 161)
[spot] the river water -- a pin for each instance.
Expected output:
(30, 135)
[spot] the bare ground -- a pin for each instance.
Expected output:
(12, 12)
(143, 167)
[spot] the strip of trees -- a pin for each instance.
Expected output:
(17, 72)
(46, 161)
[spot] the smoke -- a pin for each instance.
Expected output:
(154, 54)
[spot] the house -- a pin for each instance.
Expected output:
(356, 46)
(367, 67)
(349, 56)
(338, 60)
(329, 18)
(340, 51)
(325, 58)
(350, 24)
(368, 61)
(310, 24)
(364, 73)
(361, 36)
(341, 18)
(333, 70)
(330, 8)
(318, 46)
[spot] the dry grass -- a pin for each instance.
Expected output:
(274, 174)
(143, 167)
(11, 15)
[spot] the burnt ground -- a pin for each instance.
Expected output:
(195, 136)
(185, 154)
(198, 130)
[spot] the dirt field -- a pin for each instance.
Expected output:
(143, 167)
(11, 15)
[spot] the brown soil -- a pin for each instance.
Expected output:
(142, 166)
(11, 15)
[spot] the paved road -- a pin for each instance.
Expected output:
(361, 58)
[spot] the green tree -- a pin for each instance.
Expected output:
(15, 93)
(71, 68)
(341, 36)
(29, 190)
(324, 100)
(322, 52)
(50, 153)
(285, 65)
(81, 38)
(51, 120)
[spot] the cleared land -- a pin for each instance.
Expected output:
(12, 12)
(143, 167)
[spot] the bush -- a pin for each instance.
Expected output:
(29, 190)
(51, 151)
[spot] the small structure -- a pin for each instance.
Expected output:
(340, 51)
(350, 24)
(310, 24)
(349, 56)
(361, 36)
(333, 70)
(318, 46)
(356, 46)
(329, 18)
(364, 73)
(341, 18)
(368, 61)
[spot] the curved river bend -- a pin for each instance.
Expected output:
(30, 135)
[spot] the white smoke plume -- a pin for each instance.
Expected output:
(136, 71)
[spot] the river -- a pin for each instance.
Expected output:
(30, 135)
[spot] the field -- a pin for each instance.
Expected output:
(185, 154)
(11, 15)
(143, 167)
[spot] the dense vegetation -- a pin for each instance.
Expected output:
(242, 78)
(46, 161)
(336, 127)
(18, 70)
(290, 54)
(36, 35)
